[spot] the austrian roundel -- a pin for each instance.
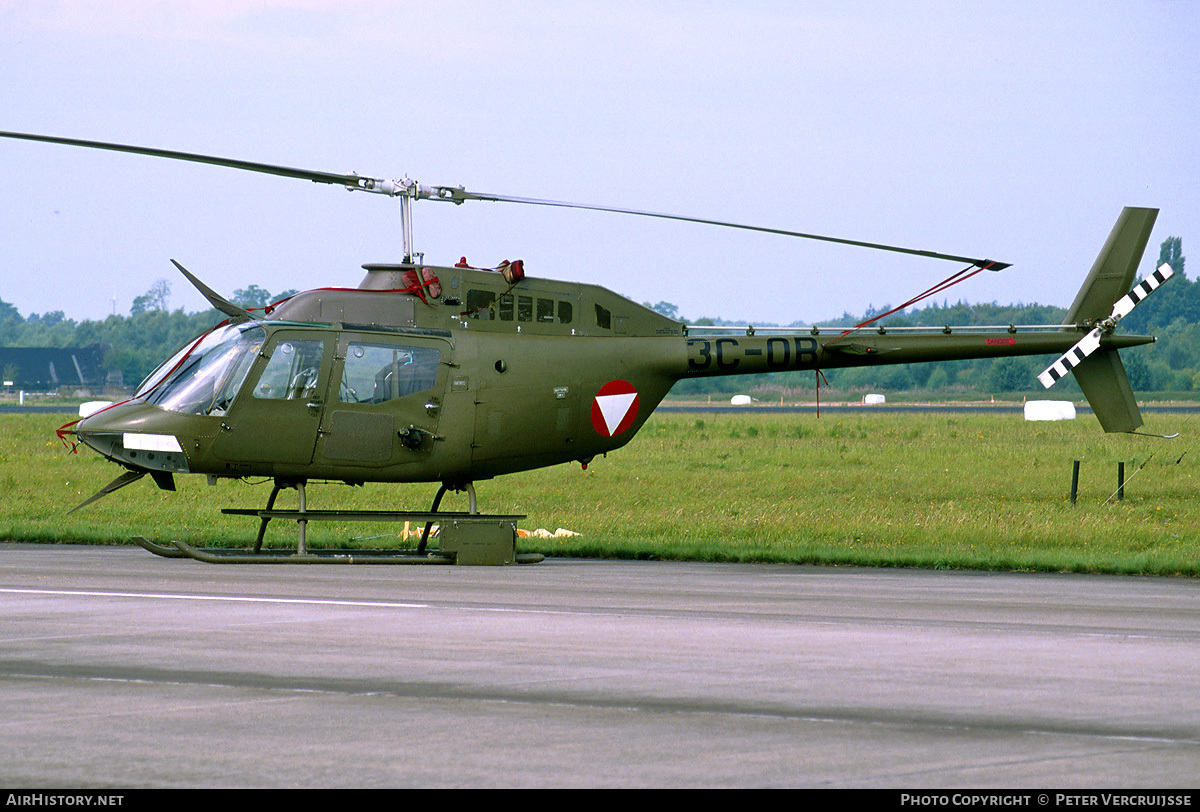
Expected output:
(615, 408)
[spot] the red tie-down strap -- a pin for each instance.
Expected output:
(62, 432)
(419, 283)
(820, 377)
(68, 428)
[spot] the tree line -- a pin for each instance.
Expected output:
(134, 344)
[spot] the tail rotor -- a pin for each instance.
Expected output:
(1087, 345)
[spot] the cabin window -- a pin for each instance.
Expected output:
(481, 304)
(603, 318)
(524, 308)
(376, 373)
(485, 305)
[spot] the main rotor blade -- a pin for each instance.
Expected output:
(986, 264)
(457, 194)
(352, 181)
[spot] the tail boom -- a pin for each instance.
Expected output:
(744, 354)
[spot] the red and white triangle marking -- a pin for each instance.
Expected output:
(615, 408)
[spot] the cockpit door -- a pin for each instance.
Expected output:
(276, 415)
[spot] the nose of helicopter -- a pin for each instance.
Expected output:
(135, 434)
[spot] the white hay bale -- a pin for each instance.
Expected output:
(874, 400)
(1049, 410)
(740, 400)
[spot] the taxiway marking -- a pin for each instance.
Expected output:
(228, 598)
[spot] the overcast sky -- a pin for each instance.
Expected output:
(1010, 130)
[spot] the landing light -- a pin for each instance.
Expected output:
(151, 442)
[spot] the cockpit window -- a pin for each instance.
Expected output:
(293, 371)
(204, 376)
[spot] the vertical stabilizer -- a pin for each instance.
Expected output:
(1100, 373)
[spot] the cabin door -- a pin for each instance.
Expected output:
(388, 401)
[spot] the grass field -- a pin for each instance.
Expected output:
(875, 489)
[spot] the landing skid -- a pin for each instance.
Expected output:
(158, 549)
(181, 549)
(464, 538)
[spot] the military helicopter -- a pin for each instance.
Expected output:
(456, 374)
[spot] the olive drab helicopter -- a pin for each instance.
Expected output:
(455, 374)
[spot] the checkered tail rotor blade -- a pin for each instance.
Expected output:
(1091, 342)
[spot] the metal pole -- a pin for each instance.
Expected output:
(1120, 481)
(301, 548)
(1074, 481)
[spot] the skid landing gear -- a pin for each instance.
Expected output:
(463, 538)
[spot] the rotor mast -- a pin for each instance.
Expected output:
(406, 230)
(407, 190)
